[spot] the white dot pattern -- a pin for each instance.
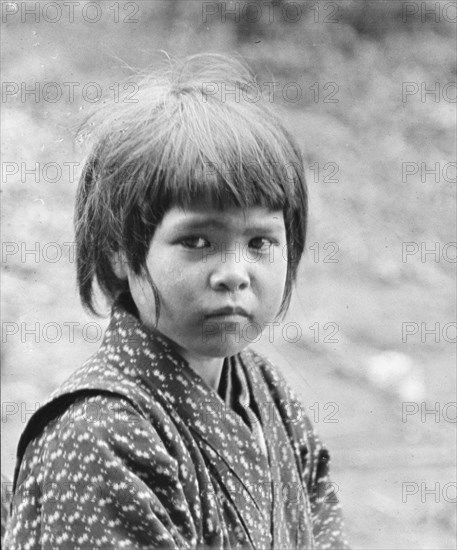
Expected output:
(135, 451)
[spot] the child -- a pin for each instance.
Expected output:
(191, 218)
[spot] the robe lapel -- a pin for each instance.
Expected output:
(290, 516)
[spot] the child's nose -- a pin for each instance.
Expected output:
(231, 276)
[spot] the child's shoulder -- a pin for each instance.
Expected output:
(102, 373)
(97, 396)
(93, 456)
(70, 426)
(95, 426)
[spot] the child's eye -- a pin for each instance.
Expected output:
(261, 243)
(195, 242)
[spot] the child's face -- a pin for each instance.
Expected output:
(204, 260)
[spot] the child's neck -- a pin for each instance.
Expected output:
(209, 368)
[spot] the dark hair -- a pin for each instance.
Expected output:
(195, 130)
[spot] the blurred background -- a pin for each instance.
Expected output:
(368, 89)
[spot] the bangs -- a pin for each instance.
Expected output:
(196, 148)
(228, 158)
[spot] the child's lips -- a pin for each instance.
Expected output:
(228, 313)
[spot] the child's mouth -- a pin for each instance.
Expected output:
(228, 313)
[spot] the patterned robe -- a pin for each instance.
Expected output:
(136, 451)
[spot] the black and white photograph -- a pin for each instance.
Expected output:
(228, 273)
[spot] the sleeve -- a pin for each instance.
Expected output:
(101, 477)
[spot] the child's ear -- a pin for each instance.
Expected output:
(119, 264)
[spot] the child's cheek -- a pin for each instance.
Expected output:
(181, 289)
